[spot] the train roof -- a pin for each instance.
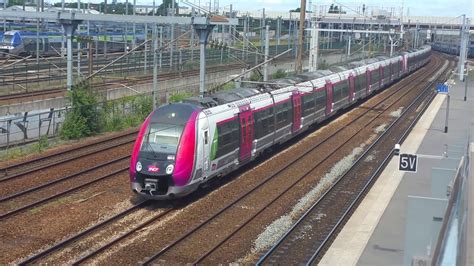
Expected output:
(223, 100)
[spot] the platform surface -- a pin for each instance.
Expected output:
(375, 234)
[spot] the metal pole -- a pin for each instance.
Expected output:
(202, 68)
(191, 41)
(465, 84)
(134, 26)
(391, 45)
(262, 25)
(244, 52)
(278, 30)
(5, 4)
(145, 68)
(173, 11)
(289, 32)
(349, 47)
(203, 32)
(69, 60)
(155, 66)
(267, 42)
(161, 45)
(78, 62)
(90, 57)
(37, 32)
(230, 27)
(462, 52)
(180, 62)
(447, 116)
(299, 60)
(313, 52)
(125, 37)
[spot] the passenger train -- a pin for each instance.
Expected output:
(21, 43)
(182, 145)
(453, 48)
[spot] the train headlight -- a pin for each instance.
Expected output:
(171, 157)
(139, 166)
(169, 169)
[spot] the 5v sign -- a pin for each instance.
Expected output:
(408, 162)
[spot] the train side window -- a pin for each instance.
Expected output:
(206, 137)
(228, 137)
(283, 114)
(264, 122)
(309, 104)
(321, 100)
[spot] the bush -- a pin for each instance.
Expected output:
(75, 126)
(280, 73)
(42, 144)
(256, 76)
(179, 96)
(228, 86)
(84, 118)
(323, 65)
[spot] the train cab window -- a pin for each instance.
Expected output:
(162, 138)
(228, 137)
(264, 122)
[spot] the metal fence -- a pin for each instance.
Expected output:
(29, 127)
(451, 247)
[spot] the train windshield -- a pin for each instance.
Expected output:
(162, 138)
(7, 39)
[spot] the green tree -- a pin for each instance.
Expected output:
(162, 9)
(16, 2)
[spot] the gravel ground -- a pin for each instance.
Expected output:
(68, 215)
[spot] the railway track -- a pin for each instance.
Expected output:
(295, 170)
(217, 217)
(126, 82)
(83, 244)
(235, 206)
(24, 168)
(327, 216)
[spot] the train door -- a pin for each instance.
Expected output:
(405, 64)
(381, 72)
(206, 146)
(296, 98)
(391, 71)
(368, 78)
(329, 99)
(351, 87)
(246, 132)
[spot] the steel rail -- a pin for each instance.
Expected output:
(241, 226)
(150, 259)
(63, 160)
(272, 250)
(66, 241)
(52, 182)
(36, 203)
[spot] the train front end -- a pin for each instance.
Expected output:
(10, 44)
(163, 158)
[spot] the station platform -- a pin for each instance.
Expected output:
(380, 230)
